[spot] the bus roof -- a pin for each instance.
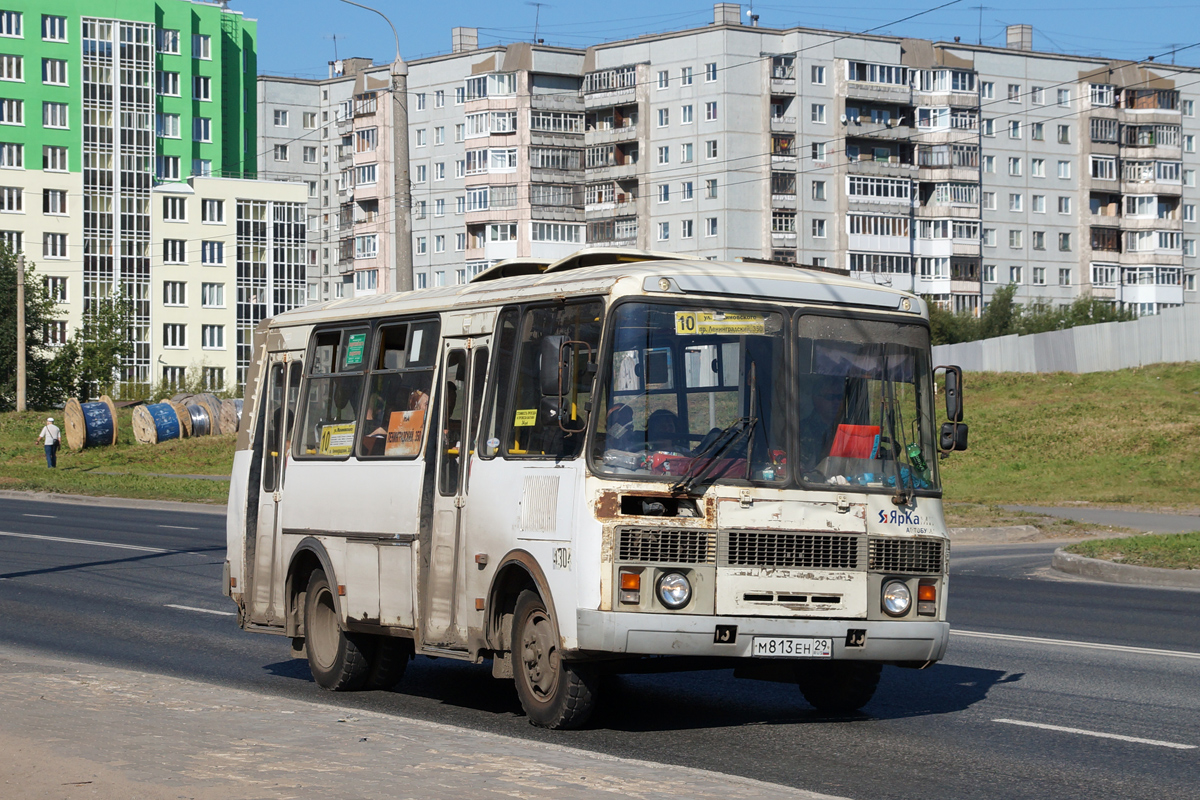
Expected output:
(690, 277)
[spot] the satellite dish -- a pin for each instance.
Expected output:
(843, 119)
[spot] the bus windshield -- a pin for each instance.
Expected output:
(865, 414)
(709, 394)
(694, 391)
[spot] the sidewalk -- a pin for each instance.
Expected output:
(71, 730)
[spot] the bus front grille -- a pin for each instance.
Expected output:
(673, 545)
(788, 549)
(906, 556)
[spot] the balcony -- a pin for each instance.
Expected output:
(880, 166)
(783, 124)
(880, 92)
(935, 211)
(787, 201)
(613, 172)
(615, 135)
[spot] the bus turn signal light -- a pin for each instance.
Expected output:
(927, 599)
(927, 592)
(631, 588)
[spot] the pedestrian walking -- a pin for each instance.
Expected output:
(51, 435)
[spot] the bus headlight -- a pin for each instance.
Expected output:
(674, 591)
(896, 598)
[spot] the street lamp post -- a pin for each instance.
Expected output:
(402, 260)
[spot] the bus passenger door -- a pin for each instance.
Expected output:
(264, 572)
(452, 436)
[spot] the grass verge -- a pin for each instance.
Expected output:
(126, 469)
(1162, 550)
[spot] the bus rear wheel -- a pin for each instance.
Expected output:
(838, 687)
(388, 662)
(339, 661)
(554, 692)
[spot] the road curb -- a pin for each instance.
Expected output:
(996, 535)
(1112, 572)
(113, 502)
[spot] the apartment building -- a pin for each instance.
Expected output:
(97, 111)
(946, 169)
(495, 148)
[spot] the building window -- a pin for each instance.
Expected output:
(989, 273)
(686, 230)
(365, 175)
(685, 190)
(420, 101)
(56, 288)
(710, 72)
(1064, 276)
(1037, 131)
(212, 337)
(1037, 95)
(664, 155)
(168, 41)
(1014, 166)
(710, 148)
(664, 192)
(1014, 93)
(167, 125)
(1037, 167)
(818, 228)
(212, 210)
(1014, 202)
(174, 293)
(13, 240)
(818, 75)
(710, 188)
(710, 111)
(366, 246)
(309, 155)
(175, 209)
(12, 199)
(1064, 97)
(1064, 134)
(422, 246)
(818, 190)
(212, 295)
(168, 83)
(202, 47)
(663, 79)
(664, 117)
(685, 153)
(664, 231)
(54, 71)
(818, 113)
(710, 226)
(174, 251)
(1064, 205)
(1014, 129)
(54, 334)
(1015, 274)
(1015, 239)
(212, 254)
(10, 24)
(1039, 240)
(54, 245)
(54, 29)
(175, 336)
(54, 115)
(989, 164)
(1039, 276)
(281, 152)
(1064, 242)
(1038, 204)
(202, 132)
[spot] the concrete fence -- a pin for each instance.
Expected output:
(1171, 336)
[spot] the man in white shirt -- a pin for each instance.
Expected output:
(52, 436)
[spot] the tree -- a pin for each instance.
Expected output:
(103, 343)
(46, 385)
(1001, 315)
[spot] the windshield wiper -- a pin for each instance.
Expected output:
(889, 392)
(726, 439)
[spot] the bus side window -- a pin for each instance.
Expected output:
(273, 442)
(536, 431)
(492, 428)
(398, 391)
(332, 399)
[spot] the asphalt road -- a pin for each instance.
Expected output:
(1016, 710)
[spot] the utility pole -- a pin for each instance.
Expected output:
(402, 259)
(21, 332)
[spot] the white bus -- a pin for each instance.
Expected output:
(620, 462)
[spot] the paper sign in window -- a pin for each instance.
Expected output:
(525, 418)
(337, 440)
(404, 433)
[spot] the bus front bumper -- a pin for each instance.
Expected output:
(686, 635)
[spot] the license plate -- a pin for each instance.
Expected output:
(791, 647)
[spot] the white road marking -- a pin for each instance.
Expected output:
(88, 541)
(1083, 732)
(1120, 648)
(40, 516)
(179, 527)
(203, 610)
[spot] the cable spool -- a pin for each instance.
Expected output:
(185, 419)
(156, 423)
(90, 424)
(230, 414)
(213, 406)
(201, 423)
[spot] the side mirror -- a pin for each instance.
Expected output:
(953, 437)
(954, 404)
(554, 369)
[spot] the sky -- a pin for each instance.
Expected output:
(298, 37)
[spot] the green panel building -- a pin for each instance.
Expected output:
(99, 102)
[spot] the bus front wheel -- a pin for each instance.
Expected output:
(554, 692)
(838, 687)
(339, 661)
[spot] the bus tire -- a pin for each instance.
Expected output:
(388, 662)
(838, 687)
(555, 693)
(339, 661)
